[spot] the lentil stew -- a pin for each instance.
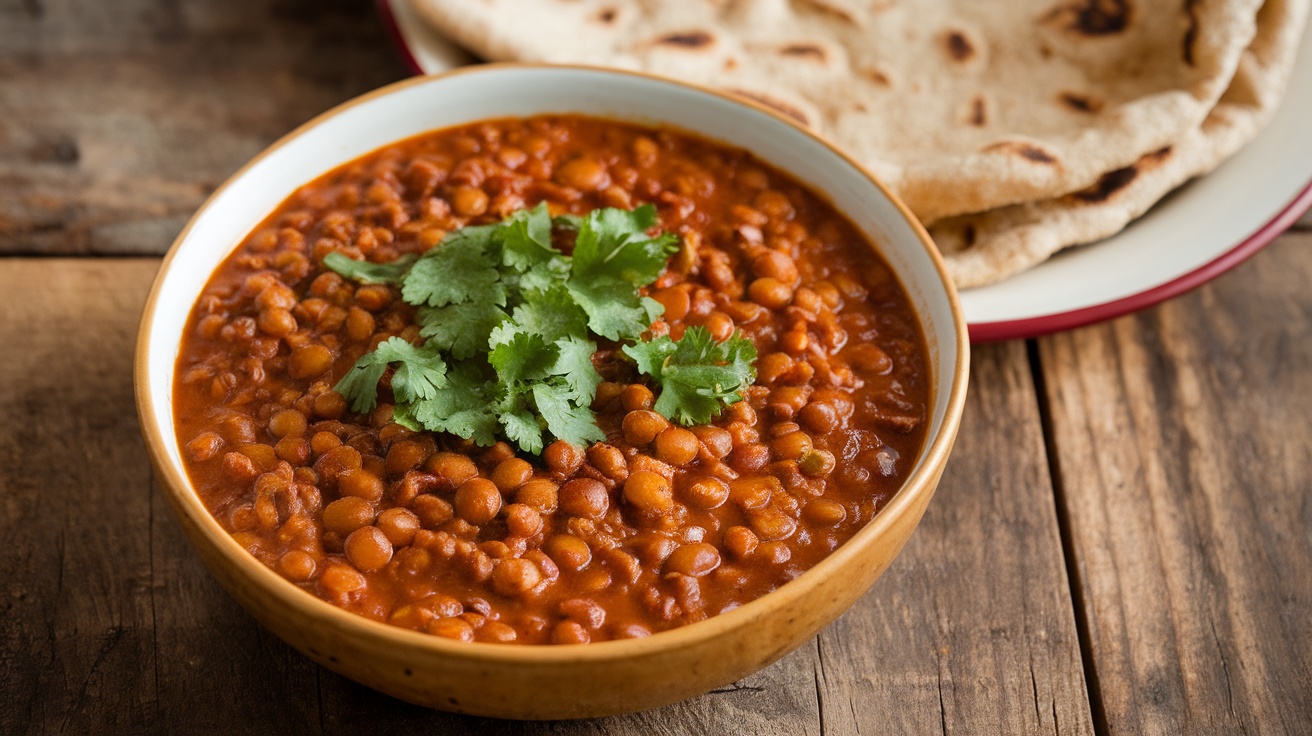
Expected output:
(659, 525)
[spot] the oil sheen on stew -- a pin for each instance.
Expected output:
(365, 513)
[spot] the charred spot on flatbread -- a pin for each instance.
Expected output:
(687, 39)
(805, 50)
(878, 76)
(833, 9)
(1158, 156)
(770, 102)
(979, 111)
(607, 15)
(1079, 102)
(956, 235)
(1092, 17)
(1024, 149)
(1114, 181)
(1107, 185)
(1190, 32)
(957, 45)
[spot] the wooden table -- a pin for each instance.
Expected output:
(1122, 542)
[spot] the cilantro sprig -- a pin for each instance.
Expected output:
(509, 325)
(697, 374)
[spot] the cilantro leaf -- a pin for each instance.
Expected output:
(521, 424)
(575, 365)
(544, 276)
(462, 409)
(459, 269)
(520, 356)
(566, 419)
(566, 221)
(551, 315)
(369, 273)
(462, 329)
(526, 238)
(420, 374)
(403, 415)
(613, 308)
(614, 243)
(697, 375)
(650, 355)
(360, 384)
(652, 308)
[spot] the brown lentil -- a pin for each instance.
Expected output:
(658, 526)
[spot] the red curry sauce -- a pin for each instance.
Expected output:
(657, 527)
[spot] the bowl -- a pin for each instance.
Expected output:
(535, 681)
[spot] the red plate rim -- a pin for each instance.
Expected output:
(1050, 323)
(1031, 327)
(394, 32)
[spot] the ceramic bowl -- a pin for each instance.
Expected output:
(522, 681)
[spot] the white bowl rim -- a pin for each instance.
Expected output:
(923, 479)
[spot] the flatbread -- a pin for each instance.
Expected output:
(961, 106)
(990, 246)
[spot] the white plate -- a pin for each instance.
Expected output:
(1199, 232)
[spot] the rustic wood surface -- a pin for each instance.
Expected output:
(1180, 438)
(1121, 544)
(119, 118)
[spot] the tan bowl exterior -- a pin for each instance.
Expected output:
(554, 682)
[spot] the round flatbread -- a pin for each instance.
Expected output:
(987, 247)
(961, 106)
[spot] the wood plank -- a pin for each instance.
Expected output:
(76, 625)
(1181, 436)
(120, 118)
(109, 622)
(972, 629)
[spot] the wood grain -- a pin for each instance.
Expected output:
(118, 119)
(108, 622)
(972, 629)
(77, 621)
(1181, 437)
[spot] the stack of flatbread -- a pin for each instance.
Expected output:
(1012, 130)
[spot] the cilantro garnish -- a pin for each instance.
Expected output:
(509, 324)
(369, 273)
(698, 376)
(419, 375)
